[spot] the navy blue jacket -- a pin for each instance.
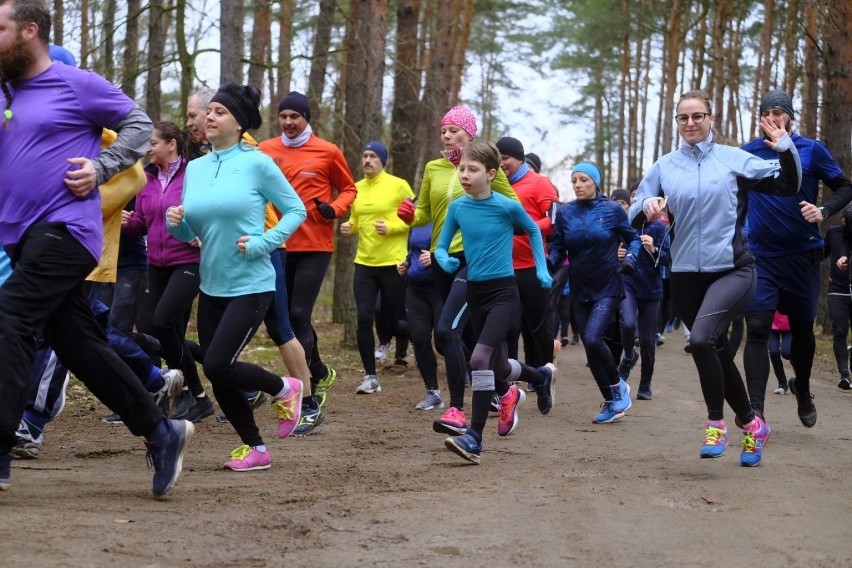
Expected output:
(588, 232)
(646, 283)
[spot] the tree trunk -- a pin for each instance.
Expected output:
(261, 38)
(762, 81)
(436, 94)
(405, 115)
(108, 45)
(364, 63)
(156, 46)
(810, 88)
(185, 59)
(721, 26)
(84, 34)
(282, 69)
(231, 41)
(791, 45)
(319, 61)
(58, 22)
(621, 134)
(674, 41)
(130, 57)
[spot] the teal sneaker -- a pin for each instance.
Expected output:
(607, 414)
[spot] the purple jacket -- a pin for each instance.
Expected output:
(150, 218)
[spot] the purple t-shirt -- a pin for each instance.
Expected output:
(57, 115)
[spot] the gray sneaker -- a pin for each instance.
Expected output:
(26, 445)
(168, 395)
(430, 401)
(369, 385)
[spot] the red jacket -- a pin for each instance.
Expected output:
(536, 194)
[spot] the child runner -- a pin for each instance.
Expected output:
(487, 221)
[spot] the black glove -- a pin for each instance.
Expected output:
(628, 265)
(326, 210)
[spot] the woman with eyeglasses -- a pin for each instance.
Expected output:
(705, 185)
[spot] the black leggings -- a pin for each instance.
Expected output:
(305, 273)
(453, 334)
(423, 307)
(367, 283)
(756, 354)
(225, 327)
(532, 320)
(708, 302)
(840, 312)
(171, 291)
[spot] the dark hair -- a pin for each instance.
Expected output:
(697, 94)
(484, 152)
(169, 131)
(31, 11)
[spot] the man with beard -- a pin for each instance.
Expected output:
(52, 229)
(783, 236)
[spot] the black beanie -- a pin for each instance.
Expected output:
(621, 194)
(777, 98)
(298, 102)
(534, 161)
(242, 101)
(509, 146)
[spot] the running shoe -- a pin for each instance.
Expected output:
(621, 396)
(311, 418)
(370, 385)
(627, 364)
(715, 440)
(607, 415)
(806, 408)
(575, 339)
(430, 401)
(782, 390)
(644, 393)
(688, 347)
(184, 405)
(166, 455)
(246, 458)
(320, 389)
(468, 445)
(495, 403)
(754, 440)
(202, 408)
(168, 394)
(113, 418)
(844, 384)
(383, 350)
(563, 341)
(5, 472)
(547, 392)
(508, 415)
(452, 422)
(661, 339)
(289, 407)
(26, 445)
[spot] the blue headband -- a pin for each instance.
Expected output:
(590, 170)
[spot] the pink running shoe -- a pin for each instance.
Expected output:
(453, 422)
(289, 408)
(246, 458)
(509, 403)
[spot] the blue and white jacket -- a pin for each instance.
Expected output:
(707, 187)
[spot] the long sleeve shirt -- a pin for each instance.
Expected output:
(225, 197)
(377, 200)
(536, 194)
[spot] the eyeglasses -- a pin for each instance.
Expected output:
(697, 117)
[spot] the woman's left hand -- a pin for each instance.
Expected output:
(241, 243)
(774, 133)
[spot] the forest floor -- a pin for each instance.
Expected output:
(374, 486)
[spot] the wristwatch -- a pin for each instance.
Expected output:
(822, 211)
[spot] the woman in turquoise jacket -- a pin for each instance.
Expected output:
(224, 201)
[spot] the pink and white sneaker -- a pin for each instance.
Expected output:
(246, 458)
(289, 407)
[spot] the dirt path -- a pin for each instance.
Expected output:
(375, 486)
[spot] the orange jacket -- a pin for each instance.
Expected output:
(315, 170)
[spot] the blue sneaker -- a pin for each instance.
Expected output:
(5, 472)
(715, 440)
(468, 445)
(166, 455)
(754, 441)
(547, 392)
(621, 396)
(607, 414)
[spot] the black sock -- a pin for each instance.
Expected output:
(481, 405)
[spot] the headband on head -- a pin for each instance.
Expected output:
(234, 106)
(590, 170)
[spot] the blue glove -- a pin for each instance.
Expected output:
(449, 264)
(544, 278)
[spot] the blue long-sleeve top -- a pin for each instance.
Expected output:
(419, 239)
(707, 188)
(588, 232)
(225, 197)
(646, 282)
(487, 232)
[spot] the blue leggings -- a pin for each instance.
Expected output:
(593, 319)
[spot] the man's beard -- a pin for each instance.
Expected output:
(17, 60)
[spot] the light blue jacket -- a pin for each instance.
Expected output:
(707, 188)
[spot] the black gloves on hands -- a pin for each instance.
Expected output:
(326, 210)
